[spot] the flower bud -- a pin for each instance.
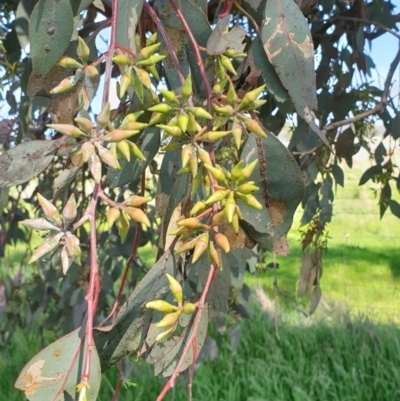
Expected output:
(214, 254)
(203, 155)
(216, 173)
(122, 60)
(230, 207)
(226, 110)
(236, 172)
(161, 108)
(187, 246)
(255, 127)
(183, 120)
(126, 80)
(250, 98)
(217, 196)
(248, 170)
(249, 200)
(247, 188)
(67, 129)
(169, 320)
(231, 96)
(198, 207)
(148, 51)
(135, 151)
(113, 215)
(138, 215)
(143, 77)
(186, 154)
(91, 71)
(118, 135)
(83, 50)
(176, 288)
(191, 222)
(187, 87)
(213, 136)
(200, 246)
(69, 212)
(66, 85)
(103, 117)
(169, 96)
(125, 150)
(227, 64)
(194, 164)
(68, 62)
(84, 124)
(188, 308)
(235, 223)
(161, 306)
(199, 112)
(220, 86)
(222, 241)
(174, 131)
(237, 132)
(218, 218)
(136, 201)
(150, 61)
(49, 210)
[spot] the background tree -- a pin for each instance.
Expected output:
(190, 83)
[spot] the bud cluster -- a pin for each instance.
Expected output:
(172, 312)
(61, 243)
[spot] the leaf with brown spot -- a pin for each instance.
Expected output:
(288, 44)
(26, 161)
(281, 189)
(55, 371)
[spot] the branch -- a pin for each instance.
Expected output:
(379, 107)
(167, 41)
(365, 21)
(92, 294)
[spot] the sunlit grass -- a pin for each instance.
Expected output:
(361, 269)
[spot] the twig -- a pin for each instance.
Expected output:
(364, 21)
(120, 381)
(192, 338)
(249, 17)
(129, 261)
(167, 41)
(378, 108)
(91, 296)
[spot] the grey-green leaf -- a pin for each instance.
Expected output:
(54, 372)
(128, 14)
(50, 32)
(132, 322)
(289, 47)
(281, 189)
(25, 161)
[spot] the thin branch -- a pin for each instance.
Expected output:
(167, 40)
(378, 108)
(249, 17)
(365, 21)
(91, 296)
(192, 338)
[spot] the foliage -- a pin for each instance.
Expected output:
(210, 95)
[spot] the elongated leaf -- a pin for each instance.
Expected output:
(128, 15)
(148, 143)
(22, 16)
(54, 373)
(132, 322)
(50, 32)
(281, 190)
(64, 180)
(25, 161)
(288, 44)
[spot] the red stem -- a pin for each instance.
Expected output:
(92, 295)
(130, 259)
(192, 338)
(120, 381)
(167, 41)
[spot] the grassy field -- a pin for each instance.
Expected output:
(361, 270)
(324, 361)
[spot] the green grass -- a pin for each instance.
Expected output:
(318, 361)
(361, 270)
